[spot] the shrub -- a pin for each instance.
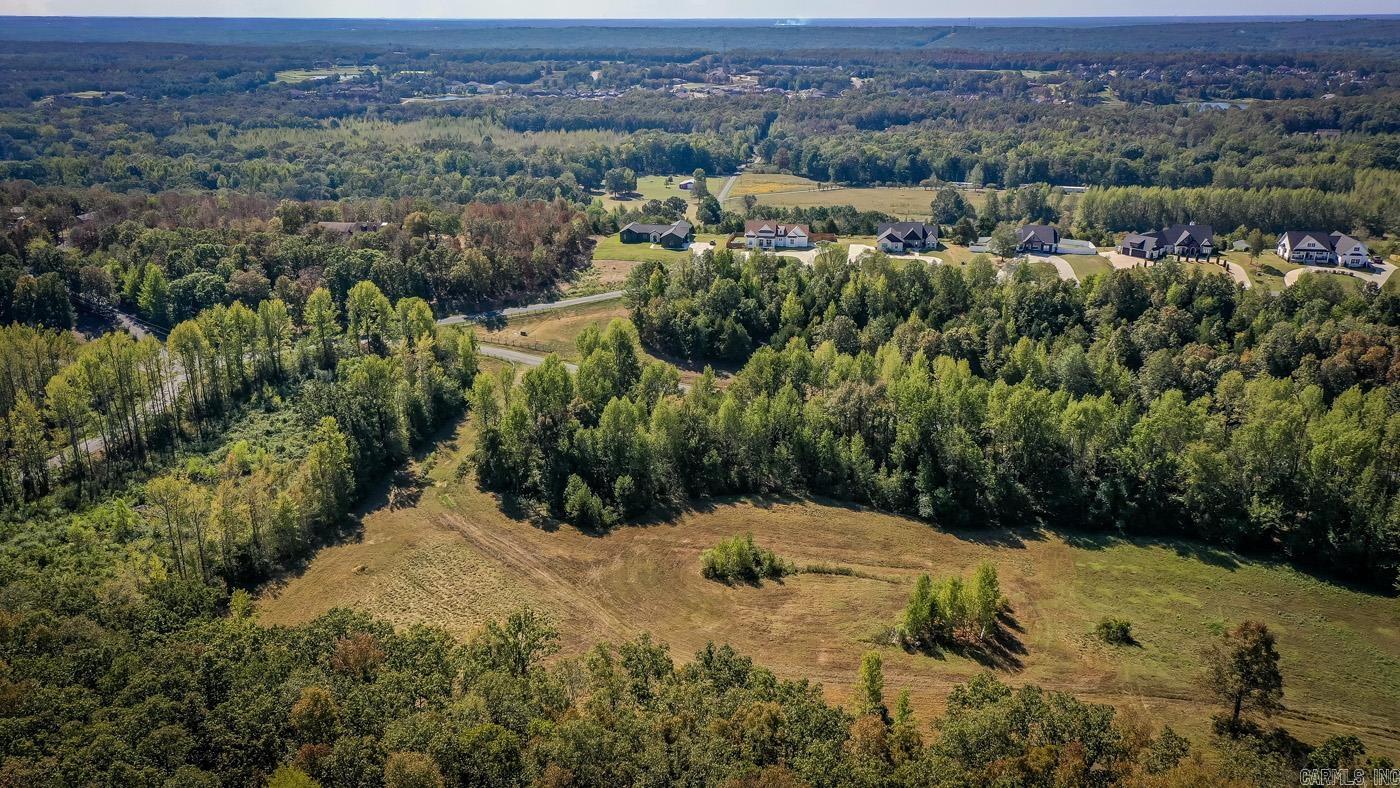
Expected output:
(739, 558)
(1115, 631)
(582, 506)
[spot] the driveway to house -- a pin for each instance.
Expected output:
(1122, 261)
(1062, 266)
(856, 250)
(1376, 274)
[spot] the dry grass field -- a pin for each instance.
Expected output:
(456, 560)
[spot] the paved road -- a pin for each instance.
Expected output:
(531, 359)
(509, 312)
(516, 356)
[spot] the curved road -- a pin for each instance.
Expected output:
(1379, 278)
(509, 312)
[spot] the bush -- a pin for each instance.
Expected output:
(1115, 631)
(740, 559)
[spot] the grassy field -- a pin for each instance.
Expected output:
(907, 202)
(455, 560)
(294, 75)
(610, 248)
(654, 187)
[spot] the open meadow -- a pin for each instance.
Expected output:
(651, 187)
(905, 202)
(455, 559)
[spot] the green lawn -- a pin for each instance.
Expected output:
(653, 187)
(1086, 266)
(610, 248)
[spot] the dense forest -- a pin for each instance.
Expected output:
(239, 262)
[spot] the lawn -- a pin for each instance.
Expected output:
(654, 187)
(1265, 271)
(455, 560)
(1085, 265)
(611, 248)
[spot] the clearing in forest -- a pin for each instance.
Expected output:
(455, 559)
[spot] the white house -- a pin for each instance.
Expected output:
(1313, 247)
(764, 234)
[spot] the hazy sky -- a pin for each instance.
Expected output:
(684, 9)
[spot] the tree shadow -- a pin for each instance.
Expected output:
(1002, 650)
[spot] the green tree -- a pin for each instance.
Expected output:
(1242, 672)
(870, 687)
(322, 321)
(154, 298)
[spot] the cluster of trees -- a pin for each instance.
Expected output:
(737, 559)
(951, 611)
(576, 442)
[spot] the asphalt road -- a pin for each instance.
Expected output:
(509, 312)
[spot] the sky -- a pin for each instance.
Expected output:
(682, 9)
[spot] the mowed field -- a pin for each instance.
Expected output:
(908, 202)
(455, 560)
(654, 187)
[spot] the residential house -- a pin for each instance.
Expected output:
(1196, 241)
(670, 236)
(982, 245)
(1147, 246)
(906, 237)
(766, 234)
(1313, 247)
(1037, 238)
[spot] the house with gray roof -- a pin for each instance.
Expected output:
(670, 236)
(898, 237)
(1037, 238)
(1147, 246)
(1194, 241)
